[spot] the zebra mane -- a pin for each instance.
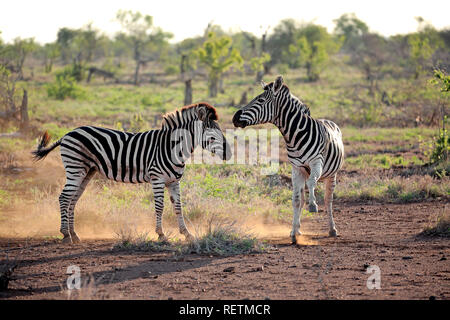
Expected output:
(186, 114)
(301, 104)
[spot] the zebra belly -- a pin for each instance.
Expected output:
(332, 161)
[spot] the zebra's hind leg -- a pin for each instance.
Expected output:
(330, 184)
(316, 172)
(84, 183)
(158, 192)
(298, 200)
(175, 198)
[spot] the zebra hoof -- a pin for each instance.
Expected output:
(294, 237)
(67, 240)
(333, 233)
(75, 238)
(313, 208)
(163, 238)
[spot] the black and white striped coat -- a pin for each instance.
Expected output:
(155, 156)
(314, 146)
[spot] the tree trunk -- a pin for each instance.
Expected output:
(24, 120)
(267, 64)
(187, 82)
(259, 76)
(188, 92)
(136, 73)
(137, 58)
(213, 85)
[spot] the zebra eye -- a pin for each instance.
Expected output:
(260, 100)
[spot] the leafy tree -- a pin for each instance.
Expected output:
(141, 34)
(312, 50)
(350, 29)
(50, 52)
(87, 41)
(420, 53)
(371, 58)
(186, 52)
(9, 99)
(218, 55)
(64, 39)
(283, 35)
(16, 53)
(257, 65)
(423, 45)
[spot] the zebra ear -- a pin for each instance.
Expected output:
(278, 83)
(263, 84)
(201, 113)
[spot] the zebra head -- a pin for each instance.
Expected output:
(264, 108)
(212, 137)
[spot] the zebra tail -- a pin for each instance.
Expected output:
(41, 152)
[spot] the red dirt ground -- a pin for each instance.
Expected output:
(319, 267)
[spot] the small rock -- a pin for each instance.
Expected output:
(407, 258)
(229, 269)
(443, 258)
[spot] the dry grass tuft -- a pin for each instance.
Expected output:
(222, 238)
(225, 238)
(440, 227)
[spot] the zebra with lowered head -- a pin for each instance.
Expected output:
(314, 146)
(155, 156)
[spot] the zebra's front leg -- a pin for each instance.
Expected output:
(175, 198)
(158, 192)
(298, 200)
(329, 188)
(316, 172)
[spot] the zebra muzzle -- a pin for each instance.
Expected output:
(237, 120)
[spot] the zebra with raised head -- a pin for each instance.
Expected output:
(155, 156)
(315, 149)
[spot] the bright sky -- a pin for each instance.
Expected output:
(41, 19)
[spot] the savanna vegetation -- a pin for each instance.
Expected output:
(388, 94)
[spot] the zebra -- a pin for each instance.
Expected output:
(315, 148)
(155, 156)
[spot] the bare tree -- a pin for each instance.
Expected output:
(10, 110)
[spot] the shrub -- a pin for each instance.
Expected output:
(64, 86)
(441, 145)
